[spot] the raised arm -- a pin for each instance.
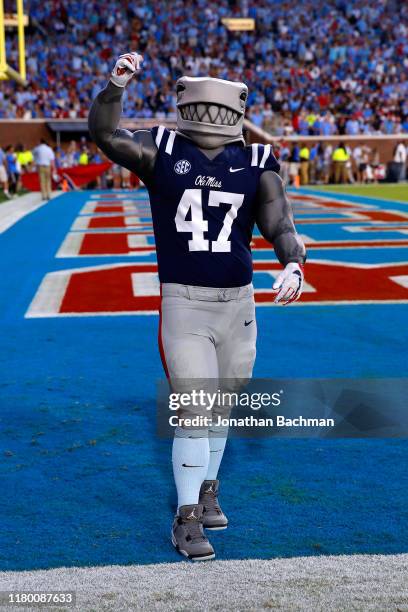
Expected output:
(274, 218)
(135, 151)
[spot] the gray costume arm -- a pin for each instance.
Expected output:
(274, 218)
(135, 151)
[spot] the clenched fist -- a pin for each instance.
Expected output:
(125, 68)
(289, 284)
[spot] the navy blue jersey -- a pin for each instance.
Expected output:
(204, 210)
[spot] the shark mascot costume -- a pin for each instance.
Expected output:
(207, 189)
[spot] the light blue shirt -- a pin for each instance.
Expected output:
(43, 155)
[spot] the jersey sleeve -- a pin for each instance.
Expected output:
(262, 157)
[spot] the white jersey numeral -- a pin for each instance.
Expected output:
(192, 200)
(222, 244)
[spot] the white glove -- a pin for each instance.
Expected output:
(289, 284)
(125, 68)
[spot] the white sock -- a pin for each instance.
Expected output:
(190, 464)
(217, 447)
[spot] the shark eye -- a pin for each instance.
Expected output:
(180, 88)
(243, 96)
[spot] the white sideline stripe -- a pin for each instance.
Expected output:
(254, 161)
(49, 296)
(267, 152)
(159, 135)
(337, 583)
(170, 142)
(71, 245)
(13, 211)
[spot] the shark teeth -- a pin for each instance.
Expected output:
(209, 113)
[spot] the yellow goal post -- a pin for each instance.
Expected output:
(16, 20)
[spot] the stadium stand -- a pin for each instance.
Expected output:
(312, 68)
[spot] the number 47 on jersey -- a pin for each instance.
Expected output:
(192, 200)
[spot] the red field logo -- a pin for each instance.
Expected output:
(134, 289)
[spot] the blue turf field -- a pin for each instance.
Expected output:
(81, 466)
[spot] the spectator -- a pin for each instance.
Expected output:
(294, 163)
(45, 162)
(284, 154)
(340, 158)
(12, 169)
(313, 163)
(83, 159)
(356, 155)
(327, 163)
(400, 159)
(366, 170)
(304, 155)
(349, 165)
(3, 174)
(24, 158)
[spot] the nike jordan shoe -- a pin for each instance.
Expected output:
(213, 516)
(188, 536)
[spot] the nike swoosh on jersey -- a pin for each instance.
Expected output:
(236, 169)
(248, 323)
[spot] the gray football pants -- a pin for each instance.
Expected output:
(206, 332)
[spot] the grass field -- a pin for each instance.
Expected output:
(387, 191)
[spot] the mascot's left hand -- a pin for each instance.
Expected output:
(289, 284)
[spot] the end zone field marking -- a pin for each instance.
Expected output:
(90, 208)
(401, 280)
(145, 284)
(74, 293)
(108, 221)
(103, 244)
(47, 301)
(70, 246)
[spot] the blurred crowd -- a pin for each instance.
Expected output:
(324, 68)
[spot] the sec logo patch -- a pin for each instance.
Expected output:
(182, 166)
